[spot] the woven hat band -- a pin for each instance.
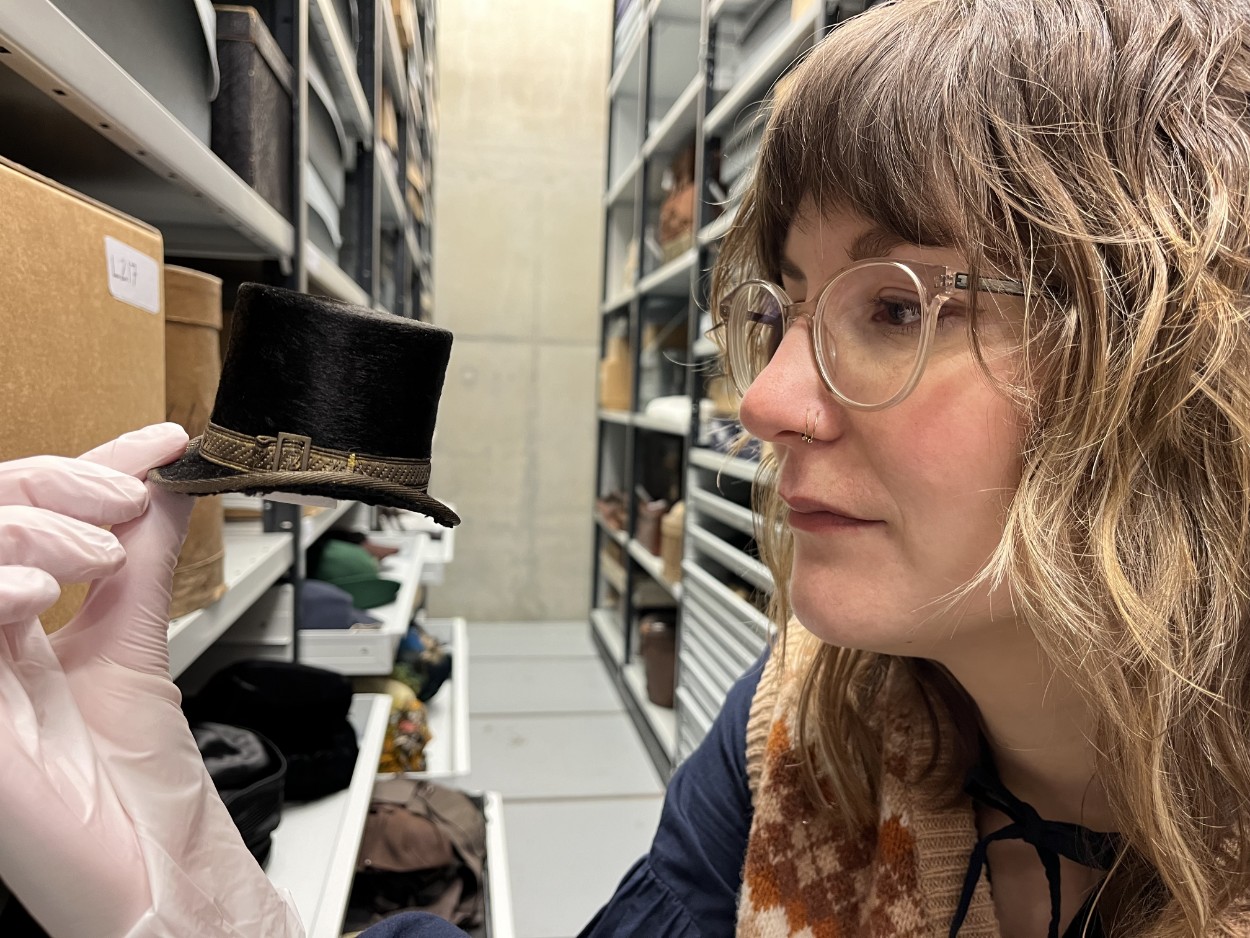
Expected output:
(293, 452)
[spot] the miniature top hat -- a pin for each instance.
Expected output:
(321, 398)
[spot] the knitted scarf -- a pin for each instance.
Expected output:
(807, 875)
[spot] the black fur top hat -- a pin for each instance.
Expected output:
(321, 398)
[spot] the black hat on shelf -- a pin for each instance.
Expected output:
(319, 397)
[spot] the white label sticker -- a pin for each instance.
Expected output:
(134, 277)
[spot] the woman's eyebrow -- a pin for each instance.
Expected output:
(875, 242)
(790, 269)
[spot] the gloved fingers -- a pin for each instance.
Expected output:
(40, 718)
(126, 615)
(72, 551)
(47, 844)
(136, 452)
(88, 491)
(25, 593)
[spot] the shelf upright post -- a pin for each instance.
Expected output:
(365, 195)
(403, 261)
(596, 569)
(292, 36)
(697, 302)
(632, 449)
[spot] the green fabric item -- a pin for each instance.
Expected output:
(352, 568)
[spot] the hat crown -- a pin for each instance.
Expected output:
(347, 377)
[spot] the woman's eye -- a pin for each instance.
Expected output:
(900, 313)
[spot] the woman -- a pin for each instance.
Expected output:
(986, 301)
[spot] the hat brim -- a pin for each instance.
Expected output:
(192, 474)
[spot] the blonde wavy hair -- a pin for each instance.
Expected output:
(1099, 151)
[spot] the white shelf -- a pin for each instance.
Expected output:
(619, 301)
(392, 58)
(498, 885)
(349, 94)
(660, 425)
(715, 230)
(447, 752)
(629, 61)
(654, 567)
(414, 250)
(607, 625)
(254, 562)
(316, 525)
(733, 466)
(704, 348)
(678, 123)
(748, 625)
(163, 174)
(735, 561)
(328, 276)
(769, 67)
(371, 652)
(315, 845)
(619, 536)
(673, 279)
(623, 417)
(392, 201)
(624, 182)
(738, 517)
(663, 721)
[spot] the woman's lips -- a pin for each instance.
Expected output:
(819, 518)
(827, 522)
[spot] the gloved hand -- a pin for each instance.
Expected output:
(111, 824)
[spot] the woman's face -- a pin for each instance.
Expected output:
(891, 510)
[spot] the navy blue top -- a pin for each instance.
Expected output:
(687, 886)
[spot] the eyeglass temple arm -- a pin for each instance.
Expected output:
(963, 281)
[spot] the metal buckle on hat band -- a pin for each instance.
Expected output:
(296, 452)
(305, 448)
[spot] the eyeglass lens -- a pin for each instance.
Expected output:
(868, 338)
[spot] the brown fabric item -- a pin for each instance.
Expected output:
(192, 370)
(418, 826)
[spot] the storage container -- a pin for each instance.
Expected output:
(88, 281)
(252, 114)
(671, 529)
(192, 370)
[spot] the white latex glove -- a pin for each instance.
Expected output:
(111, 825)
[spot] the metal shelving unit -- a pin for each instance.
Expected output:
(693, 71)
(80, 118)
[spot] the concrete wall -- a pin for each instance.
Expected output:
(518, 185)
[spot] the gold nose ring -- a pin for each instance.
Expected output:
(809, 428)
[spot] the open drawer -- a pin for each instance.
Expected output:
(371, 651)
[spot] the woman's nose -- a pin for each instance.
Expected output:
(788, 396)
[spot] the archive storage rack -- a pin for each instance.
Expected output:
(95, 96)
(685, 73)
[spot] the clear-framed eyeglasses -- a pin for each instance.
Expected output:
(875, 325)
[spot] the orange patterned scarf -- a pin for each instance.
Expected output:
(807, 875)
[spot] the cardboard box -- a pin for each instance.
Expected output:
(83, 355)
